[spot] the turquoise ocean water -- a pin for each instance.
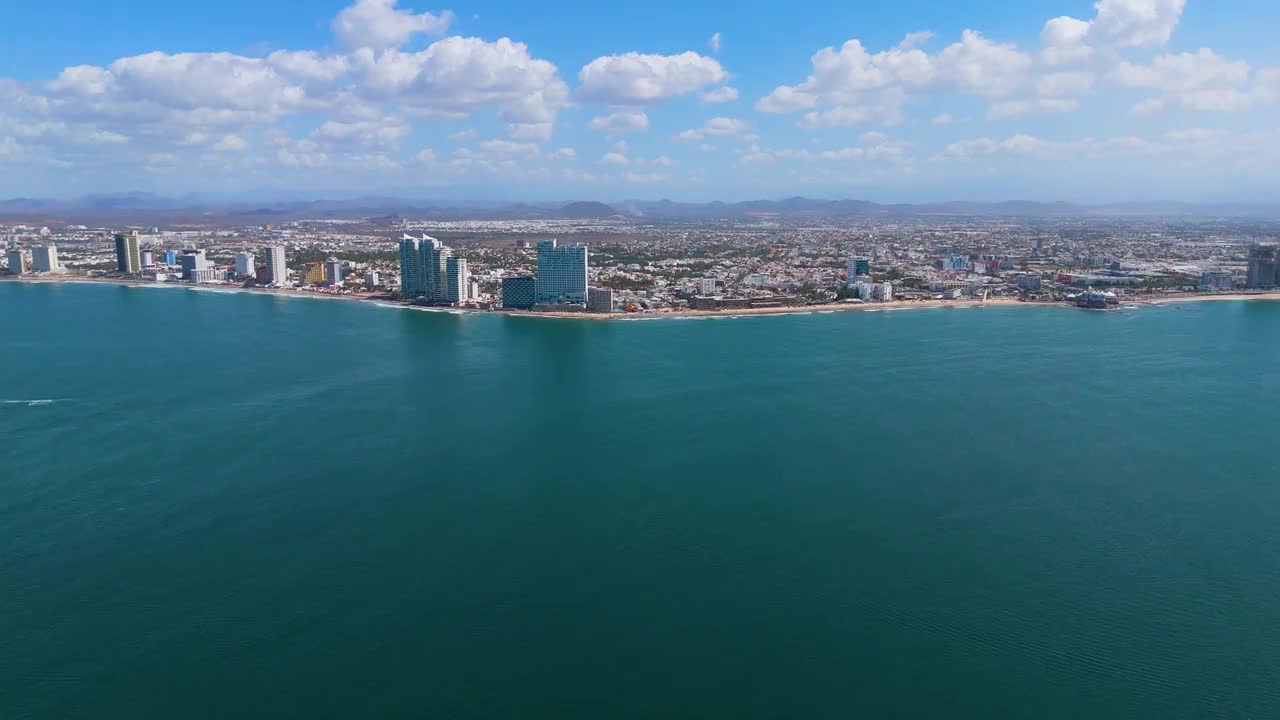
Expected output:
(221, 505)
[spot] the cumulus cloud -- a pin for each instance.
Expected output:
(660, 161)
(458, 75)
(378, 24)
(230, 143)
(616, 156)
(635, 78)
(882, 108)
(1018, 108)
(719, 95)
(851, 85)
(508, 147)
(368, 135)
(622, 121)
(982, 67)
(1116, 24)
(1064, 84)
(1028, 145)
(718, 126)
(1136, 23)
(535, 132)
(201, 86)
(1203, 81)
(1064, 41)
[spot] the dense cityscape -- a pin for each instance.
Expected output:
(625, 265)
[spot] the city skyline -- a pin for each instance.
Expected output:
(1114, 101)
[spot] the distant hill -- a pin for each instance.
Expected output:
(587, 210)
(147, 208)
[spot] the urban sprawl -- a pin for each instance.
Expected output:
(627, 266)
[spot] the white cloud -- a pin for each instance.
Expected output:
(425, 156)
(1064, 41)
(176, 85)
(718, 126)
(942, 119)
(230, 143)
(616, 156)
(1019, 108)
(660, 161)
(851, 86)
(1065, 84)
(1136, 23)
(622, 121)
(980, 66)
(378, 24)
(635, 78)
(464, 135)
(719, 95)
(754, 155)
(564, 153)
(636, 177)
(457, 75)
(1023, 145)
(370, 135)
(1201, 81)
(848, 153)
(1193, 135)
(883, 108)
(535, 132)
(714, 43)
(508, 147)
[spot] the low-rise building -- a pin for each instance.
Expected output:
(1217, 280)
(518, 293)
(600, 300)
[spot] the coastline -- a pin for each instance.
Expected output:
(383, 301)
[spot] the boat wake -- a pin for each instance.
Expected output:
(34, 403)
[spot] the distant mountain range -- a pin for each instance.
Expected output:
(145, 208)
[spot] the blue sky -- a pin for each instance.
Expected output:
(1116, 100)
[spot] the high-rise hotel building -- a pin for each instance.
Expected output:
(244, 265)
(562, 273)
(457, 280)
(128, 258)
(425, 271)
(277, 269)
(411, 281)
(44, 258)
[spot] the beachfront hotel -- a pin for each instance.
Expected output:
(44, 258)
(244, 265)
(128, 258)
(562, 273)
(429, 272)
(277, 268)
(458, 280)
(518, 293)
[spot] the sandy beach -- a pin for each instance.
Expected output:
(383, 301)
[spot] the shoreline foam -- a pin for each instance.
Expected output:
(382, 301)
